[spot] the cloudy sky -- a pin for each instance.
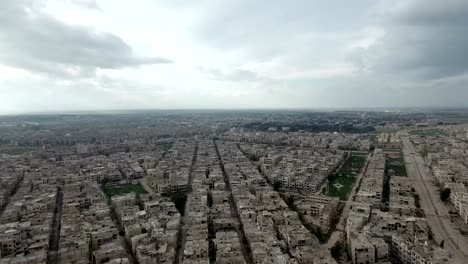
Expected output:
(62, 55)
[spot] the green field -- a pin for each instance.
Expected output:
(463, 120)
(166, 147)
(345, 177)
(426, 132)
(17, 150)
(119, 189)
(397, 165)
(373, 138)
(374, 135)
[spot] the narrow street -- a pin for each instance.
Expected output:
(54, 240)
(179, 253)
(123, 239)
(246, 251)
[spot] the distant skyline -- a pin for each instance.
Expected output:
(70, 55)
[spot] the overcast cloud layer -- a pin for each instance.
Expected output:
(60, 55)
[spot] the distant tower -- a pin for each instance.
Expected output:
(340, 128)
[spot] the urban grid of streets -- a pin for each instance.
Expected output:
(254, 196)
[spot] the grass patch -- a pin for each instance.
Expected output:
(120, 189)
(426, 132)
(17, 150)
(345, 177)
(463, 120)
(166, 147)
(397, 165)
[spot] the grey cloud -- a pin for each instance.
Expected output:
(36, 41)
(424, 40)
(266, 30)
(424, 13)
(236, 75)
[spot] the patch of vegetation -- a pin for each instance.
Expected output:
(166, 147)
(417, 200)
(338, 250)
(340, 184)
(444, 194)
(289, 200)
(276, 186)
(322, 237)
(321, 126)
(17, 150)
(373, 138)
(426, 132)
(385, 200)
(396, 165)
(111, 189)
(179, 199)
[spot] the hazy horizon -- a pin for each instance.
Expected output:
(234, 110)
(102, 55)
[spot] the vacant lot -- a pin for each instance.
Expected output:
(342, 183)
(18, 150)
(426, 132)
(396, 165)
(119, 189)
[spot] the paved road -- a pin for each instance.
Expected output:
(436, 212)
(144, 183)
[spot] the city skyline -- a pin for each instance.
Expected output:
(235, 187)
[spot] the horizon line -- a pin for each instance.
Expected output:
(114, 111)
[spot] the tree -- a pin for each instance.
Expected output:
(276, 185)
(337, 250)
(290, 201)
(444, 194)
(179, 199)
(417, 200)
